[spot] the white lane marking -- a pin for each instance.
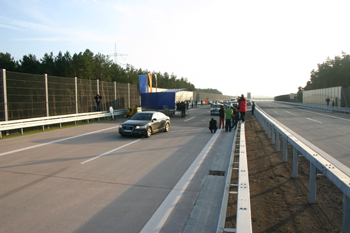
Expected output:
(326, 115)
(60, 140)
(159, 218)
(314, 120)
(108, 152)
(189, 119)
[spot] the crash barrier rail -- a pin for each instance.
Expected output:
(243, 214)
(42, 121)
(319, 107)
(318, 161)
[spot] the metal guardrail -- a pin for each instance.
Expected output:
(42, 121)
(319, 107)
(318, 160)
(243, 219)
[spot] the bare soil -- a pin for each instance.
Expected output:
(279, 202)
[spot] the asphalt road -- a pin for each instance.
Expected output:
(90, 179)
(327, 130)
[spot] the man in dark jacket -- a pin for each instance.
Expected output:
(213, 125)
(98, 102)
(236, 119)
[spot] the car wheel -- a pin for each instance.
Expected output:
(149, 132)
(167, 127)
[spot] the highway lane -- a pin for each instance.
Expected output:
(90, 179)
(326, 130)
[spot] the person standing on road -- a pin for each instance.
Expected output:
(327, 100)
(253, 107)
(235, 120)
(222, 117)
(98, 102)
(183, 109)
(228, 113)
(242, 107)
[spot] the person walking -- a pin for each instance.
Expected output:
(253, 107)
(327, 100)
(228, 115)
(242, 107)
(221, 117)
(98, 98)
(213, 125)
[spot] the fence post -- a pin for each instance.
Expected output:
(98, 85)
(76, 94)
(46, 99)
(46, 95)
(312, 185)
(128, 95)
(346, 214)
(6, 114)
(115, 95)
(295, 162)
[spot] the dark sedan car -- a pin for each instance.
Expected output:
(145, 124)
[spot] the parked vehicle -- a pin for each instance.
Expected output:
(215, 109)
(145, 124)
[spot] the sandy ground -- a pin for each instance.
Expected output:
(279, 203)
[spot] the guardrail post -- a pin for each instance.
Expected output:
(285, 151)
(272, 134)
(295, 162)
(312, 185)
(268, 130)
(277, 141)
(346, 214)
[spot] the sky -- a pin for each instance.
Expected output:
(265, 47)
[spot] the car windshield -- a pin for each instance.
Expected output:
(142, 116)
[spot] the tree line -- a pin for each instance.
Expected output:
(87, 65)
(331, 73)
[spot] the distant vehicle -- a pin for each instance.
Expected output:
(145, 124)
(215, 109)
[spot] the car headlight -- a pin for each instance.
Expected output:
(140, 127)
(120, 126)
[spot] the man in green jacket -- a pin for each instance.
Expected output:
(228, 113)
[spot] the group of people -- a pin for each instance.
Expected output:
(230, 117)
